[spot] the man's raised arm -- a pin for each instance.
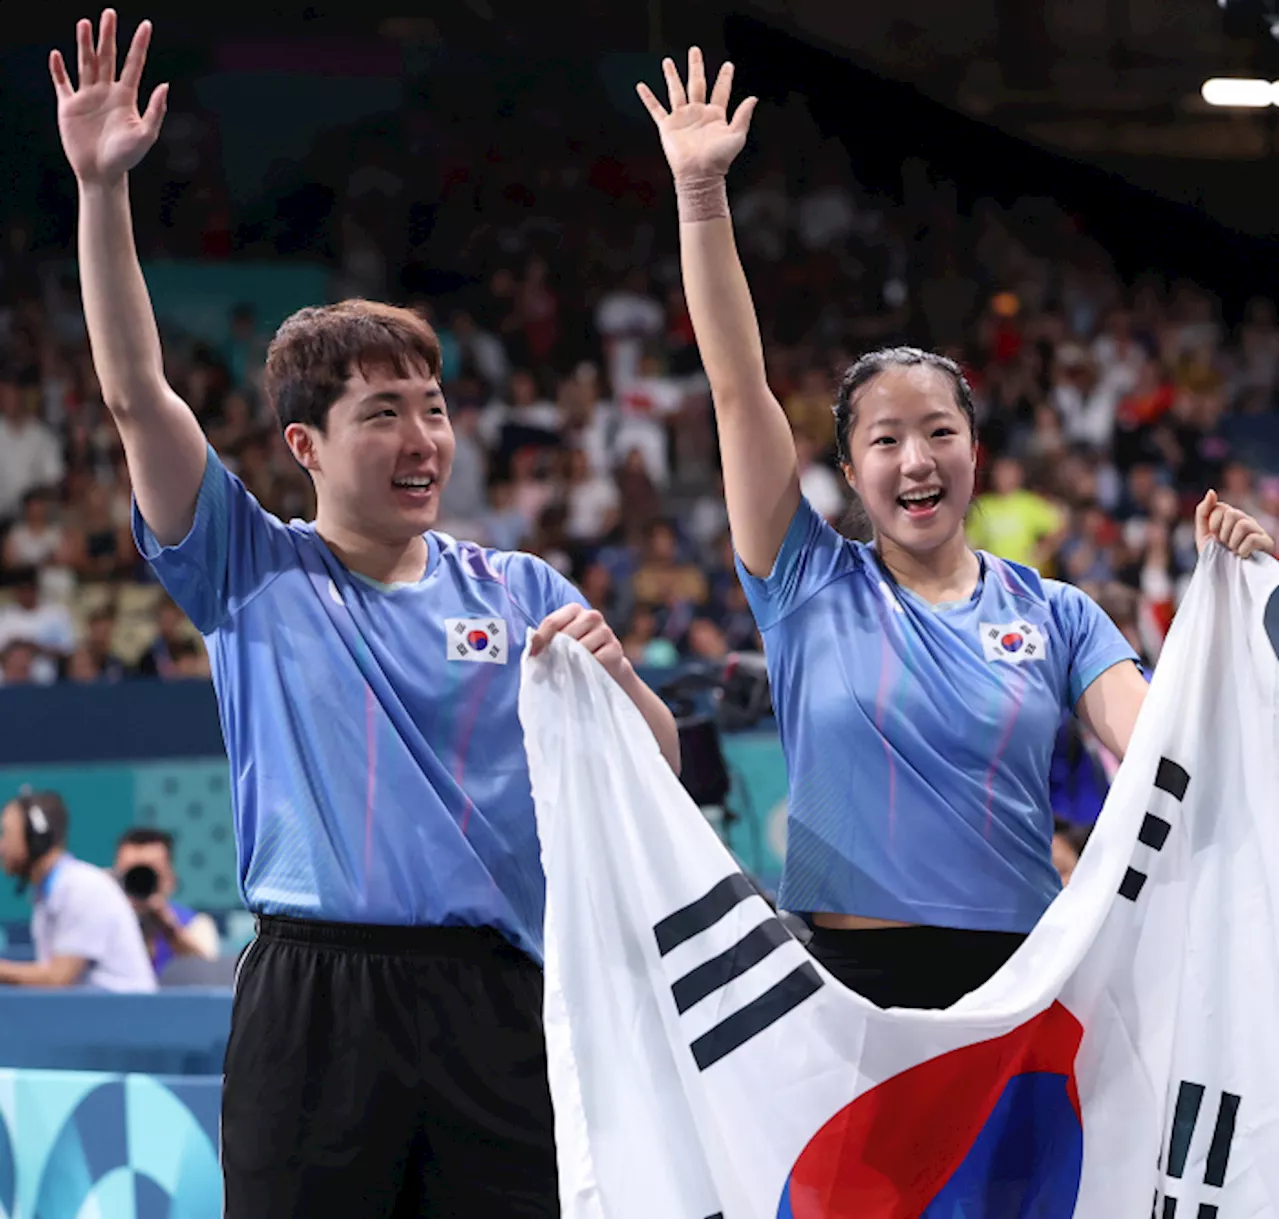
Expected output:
(104, 136)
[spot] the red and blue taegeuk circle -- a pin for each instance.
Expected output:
(1011, 642)
(989, 1129)
(477, 640)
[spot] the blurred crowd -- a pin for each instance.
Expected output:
(547, 260)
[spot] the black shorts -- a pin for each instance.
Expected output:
(386, 1072)
(913, 966)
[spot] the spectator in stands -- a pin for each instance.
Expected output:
(96, 659)
(144, 868)
(504, 525)
(707, 641)
(649, 406)
(462, 505)
(30, 454)
(84, 929)
(245, 348)
(234, 424)
(819, 483)
(101, 548)
(190, 660)
(627, 319)
(36, 539)
(1015, 523)
(17, 663)
(642, 643)
(162, 658)
(664, 579)
(526, 420)
(808, 410)
(47, 626)
(592, 499)
(480, 353)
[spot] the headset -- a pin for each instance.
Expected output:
(44, 819)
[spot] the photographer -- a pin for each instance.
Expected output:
(84, 931)
(144, 867)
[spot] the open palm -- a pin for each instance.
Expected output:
(698, 137)
(103, 134)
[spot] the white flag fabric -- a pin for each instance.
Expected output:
(1123, 1063)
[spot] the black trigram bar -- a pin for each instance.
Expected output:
(1271, 621)
(757, 944)
(1185, 1111)
(757, 1016)
(1171, 778)
(1206, 1210)
(709, 909)
(1154, 831)
(1224, 1129)
(1132, 884)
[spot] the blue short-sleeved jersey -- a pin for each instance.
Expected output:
(377, 761)
(918, 738)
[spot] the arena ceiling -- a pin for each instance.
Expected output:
(1094, 78)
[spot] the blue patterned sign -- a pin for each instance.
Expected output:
(80, 1145)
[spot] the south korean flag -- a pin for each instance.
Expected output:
(1014, 643)
(1122, 1063)
(476, 640)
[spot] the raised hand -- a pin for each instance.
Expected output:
(1236, 530)
(103, 134)
(698, 137)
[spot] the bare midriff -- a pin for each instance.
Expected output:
(855, 922)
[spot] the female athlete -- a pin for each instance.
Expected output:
(918, 684)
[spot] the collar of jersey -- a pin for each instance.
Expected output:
(433, 556)
(940, 606)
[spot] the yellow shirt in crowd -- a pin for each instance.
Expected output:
(1013, 526)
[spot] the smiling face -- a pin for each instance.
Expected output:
(912, 457)
(383, 457)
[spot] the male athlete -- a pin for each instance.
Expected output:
(386, 1054)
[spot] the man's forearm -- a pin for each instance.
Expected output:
(657, 715)
(34, 973)
(117, 308)
(187, 942)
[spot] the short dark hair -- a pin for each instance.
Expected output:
(871, 365)
(145, 836)
(318, 348)
(54, 809)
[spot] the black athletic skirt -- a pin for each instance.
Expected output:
(913, 966)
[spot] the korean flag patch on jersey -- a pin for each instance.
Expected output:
(1015, 643)
(481, 641)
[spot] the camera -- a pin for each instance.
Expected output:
(706, 698)
(140, 882)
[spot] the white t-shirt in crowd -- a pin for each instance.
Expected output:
(591, 504)
(822, 487)
(47, 626)
(30, 457)
(81, 911)
(626, 320)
